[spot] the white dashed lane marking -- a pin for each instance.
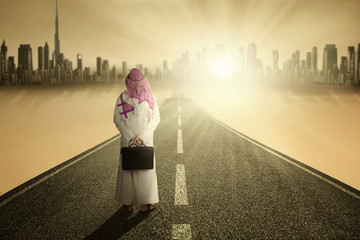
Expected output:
(179, 142)
(180, 186)
(180, 231)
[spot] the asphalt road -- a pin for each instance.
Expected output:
(235, 190)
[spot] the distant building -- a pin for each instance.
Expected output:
(204, 65)
(87, 76)
(351, 64)
(57, 39)
(46, 57)
(25, 60)
(113, 74)
(314, 59)
(124, 69)
(275, 65)
(329, 63)
(79, 61)
(41, 58)
(3, 63)
(296, 58)
(11, 65)
(343, 70)
(165, 72)
(308, 61)
(139, 66)
(106, 71)
(98, 66)
(251, 61)
(251, 53)
(12, 70)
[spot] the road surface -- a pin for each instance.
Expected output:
(213, 184)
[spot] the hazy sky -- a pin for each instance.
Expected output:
(147, 32)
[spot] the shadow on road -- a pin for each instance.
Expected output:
(117, 225)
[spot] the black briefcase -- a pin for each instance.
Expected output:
(137, 158)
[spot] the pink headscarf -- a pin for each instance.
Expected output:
(138, 87)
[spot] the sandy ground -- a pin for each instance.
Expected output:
(317, 125)
(43, 126)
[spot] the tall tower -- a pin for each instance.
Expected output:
(275, 65)
(98, 66)
(41, 58)
(351, 63)
(79, 61)
(46, 56)
(124, 69)
(329, 62)
(57, 40)
(105, 71)
(314, 58)
(25, 63)
(251, 61)
(3, 60)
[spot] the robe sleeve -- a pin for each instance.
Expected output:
(123, 129)
(152, 124)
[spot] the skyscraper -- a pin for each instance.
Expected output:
(98, 66)
(46, 56)
(251, 61)
(3, 62)
(276, 59)
(343, 65)
(57, 40)
(106, 71)
(241, 63)
(41, 58)
(12, 70)
(204, 65)
(275, 65)
(11, 65)
(308, 61)
(124, 69)
(329, 62)
(314, 59)
(113, 74)
(79, 61)
(25, 61)
(165, 65)
(351, 63)
(343, 70)
(165, 70)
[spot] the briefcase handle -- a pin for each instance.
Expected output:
(131, 144)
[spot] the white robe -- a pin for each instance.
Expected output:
(138, 185)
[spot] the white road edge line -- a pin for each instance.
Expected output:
(181, 232)
(56, 172)
(283, 158)
(179, 142)
(180, 186)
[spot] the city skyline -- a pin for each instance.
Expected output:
(165, 30)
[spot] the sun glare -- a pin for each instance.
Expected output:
(223, 67)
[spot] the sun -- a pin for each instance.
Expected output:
(223, 67)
